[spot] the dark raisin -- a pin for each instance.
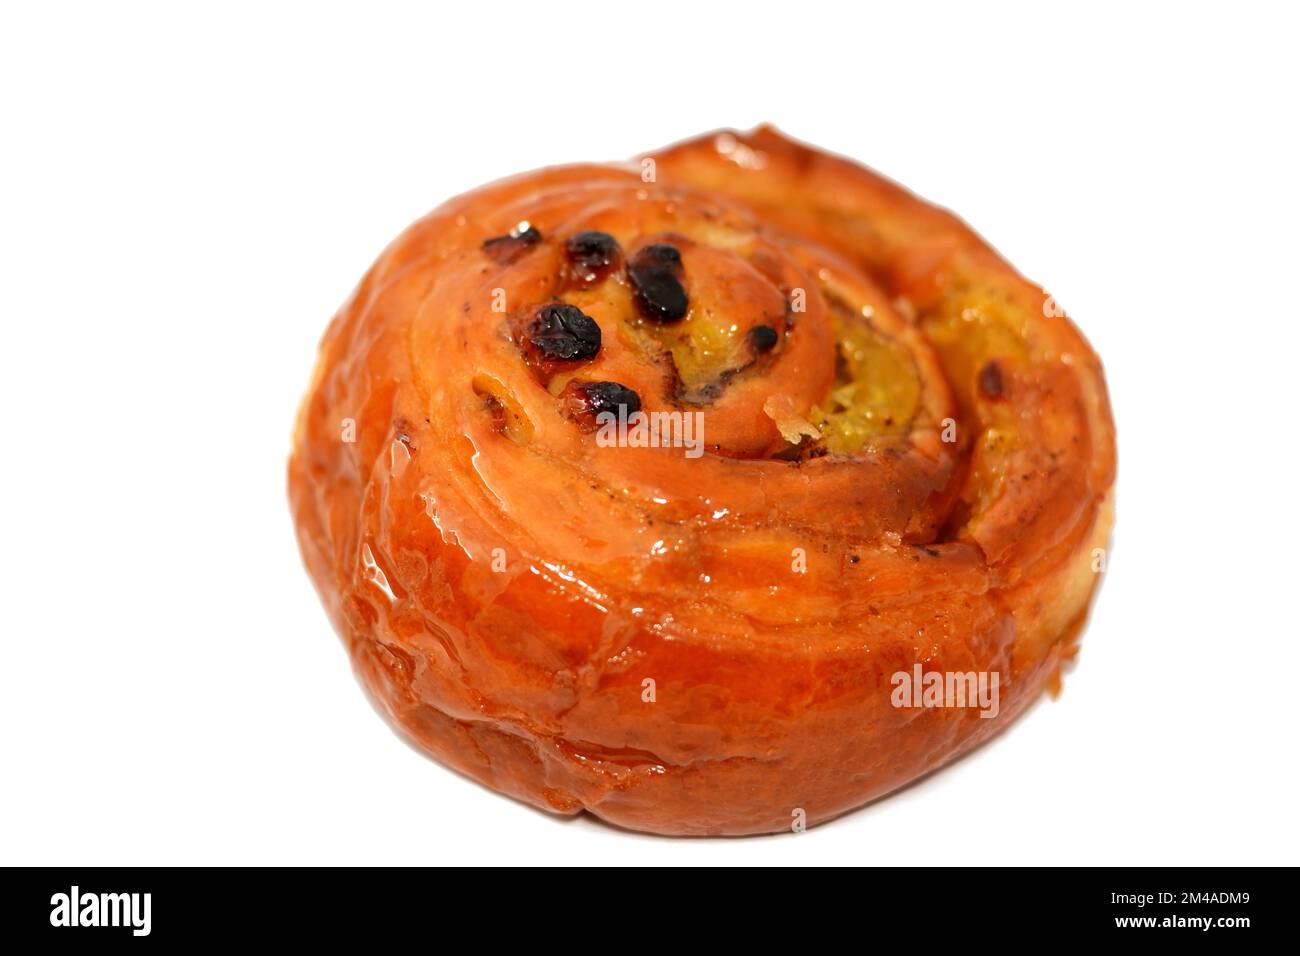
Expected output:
(659, 293)
(762, 338)
(587, 400)
(660, 253)
(563, 332)
(612, 397)
(655, 272)
(591, 255)
(504, 249)
(990, 380)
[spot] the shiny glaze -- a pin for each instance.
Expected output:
(505, 585)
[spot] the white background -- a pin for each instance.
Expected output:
(188, 196)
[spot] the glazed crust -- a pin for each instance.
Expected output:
(701, 645)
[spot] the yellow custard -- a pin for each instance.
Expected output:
(877, 389)
(971, 327)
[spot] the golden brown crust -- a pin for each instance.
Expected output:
(506, 585)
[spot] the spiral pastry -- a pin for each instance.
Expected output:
(648, 489)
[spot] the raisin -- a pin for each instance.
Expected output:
(591, 255)
(660, 253)
(655, 274)
(990, 380)
(564, 332)
(587, 400)
(504, 249)
(762, 338)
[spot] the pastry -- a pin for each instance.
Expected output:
(718, 492)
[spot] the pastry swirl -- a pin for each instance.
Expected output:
(631, 488)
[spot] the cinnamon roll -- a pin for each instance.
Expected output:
(718, 492)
